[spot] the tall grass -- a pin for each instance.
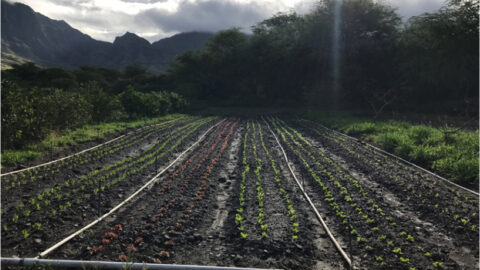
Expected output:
(454, 156)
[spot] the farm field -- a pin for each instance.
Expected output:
(230, 199)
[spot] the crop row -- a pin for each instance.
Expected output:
(258, 184)
(239, 218)
(111, 236)
(73, 192)
(360, 210)
(253, 139)
(286, 197)
(174, 222)
(434, 199)
(393, 164)
(70, 186)
(42, 173)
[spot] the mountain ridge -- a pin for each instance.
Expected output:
(32, 36)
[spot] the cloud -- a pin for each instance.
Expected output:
(145, 1)
(209, 15)
(409, 8)
(71, 3)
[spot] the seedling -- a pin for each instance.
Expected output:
(26, 212)
(131, 248)
(95, 249)
(37, 226)
(25, 234)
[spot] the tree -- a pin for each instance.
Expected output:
(440, 52)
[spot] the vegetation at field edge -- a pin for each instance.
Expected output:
(450, 152)
(64, 138)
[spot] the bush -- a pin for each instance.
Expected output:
(10, 157)
(462, 170)
(138, 104)
(420, 134)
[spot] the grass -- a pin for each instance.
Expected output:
(454, 156)
(66, 138)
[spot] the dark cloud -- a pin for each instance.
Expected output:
(210, 15)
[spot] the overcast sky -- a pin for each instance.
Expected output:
(156, 19)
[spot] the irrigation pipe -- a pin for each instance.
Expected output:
(151, 181)
(401, 159)
(83, 151)
(109, 265)
(325, 227)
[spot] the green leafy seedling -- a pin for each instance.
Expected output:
(25, 234)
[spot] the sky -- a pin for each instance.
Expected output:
(157, 19)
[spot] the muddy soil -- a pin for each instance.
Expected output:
(397, 217)
(30, 224)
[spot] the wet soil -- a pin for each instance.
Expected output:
(397, 217)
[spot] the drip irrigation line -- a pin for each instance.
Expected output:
(77, 264)
(399, 158)
(151, 181)
(83, 151)
(324, 225)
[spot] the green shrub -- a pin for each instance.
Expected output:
(463, 170)
(10, 157)
(423, 155)
(419, 134)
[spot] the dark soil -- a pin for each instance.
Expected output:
(188, 215)
(52, 227)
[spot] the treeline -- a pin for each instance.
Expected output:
(36, 101)
(355, 54)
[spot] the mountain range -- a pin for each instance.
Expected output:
(30, 36)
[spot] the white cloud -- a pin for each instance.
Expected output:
(409, 8)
